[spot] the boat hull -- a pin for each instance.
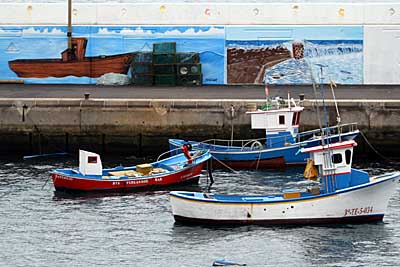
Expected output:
(264, 158)
(92, 67)
(78, 184)
(364, 203)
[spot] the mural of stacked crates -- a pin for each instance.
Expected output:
(142, 68)
(165, 67)
(164, 63)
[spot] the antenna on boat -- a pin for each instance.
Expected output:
(232, 115)
(338, 118)
(321, 78)
(69, 33)
(317, 105)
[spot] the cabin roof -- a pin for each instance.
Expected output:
(333, 146)
(292, 109)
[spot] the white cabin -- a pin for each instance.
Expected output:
(276, 120)
(90, 163)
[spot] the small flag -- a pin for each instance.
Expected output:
(266, 90)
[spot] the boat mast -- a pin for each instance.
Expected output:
(69, 33)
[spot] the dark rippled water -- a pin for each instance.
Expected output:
(137, 229)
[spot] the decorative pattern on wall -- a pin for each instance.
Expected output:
(288, 55)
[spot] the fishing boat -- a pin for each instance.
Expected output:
(183, 168)
(344, 195)
(281, 143)
(73, 62)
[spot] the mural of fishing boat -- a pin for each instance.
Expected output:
(344, 195)
(183, 168)
(73, 62)
(279, 147)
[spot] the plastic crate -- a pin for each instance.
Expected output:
(164, 48)
(187, 58)
(189, 80)
(164, 59)
(166, 79)
(141, 68)
(143, 57)
(142, 79)
(164, 69)
(188, 69)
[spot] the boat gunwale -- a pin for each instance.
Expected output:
(373, 181)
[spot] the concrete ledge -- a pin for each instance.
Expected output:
(118, 124)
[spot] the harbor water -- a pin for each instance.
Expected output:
(39, 228)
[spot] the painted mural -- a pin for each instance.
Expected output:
(39, 54)
(231, 54)
(292, 55)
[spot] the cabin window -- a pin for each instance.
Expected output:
(281, 119)
(92, 159)
(348, 156)
(337, 158)
(296, 118)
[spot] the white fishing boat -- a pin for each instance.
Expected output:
(344, 195)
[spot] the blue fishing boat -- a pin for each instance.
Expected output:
(281, 143)
(343, 195)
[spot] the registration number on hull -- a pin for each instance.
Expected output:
(358, 211)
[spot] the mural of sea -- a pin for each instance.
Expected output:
(342, 58)
(291, 55)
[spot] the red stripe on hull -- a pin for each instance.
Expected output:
(69, 183)
(341, 220)
(252, 164)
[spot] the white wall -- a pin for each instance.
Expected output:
(202, 13)
(382, 54)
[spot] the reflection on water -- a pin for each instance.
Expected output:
(137, 229)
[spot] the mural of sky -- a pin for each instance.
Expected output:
(22, 48)
(292, 55)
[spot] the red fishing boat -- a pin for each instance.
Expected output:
(73, 62)
(182, 168)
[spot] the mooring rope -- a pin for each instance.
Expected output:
(223, 164)
(258, 160)
(370, 145)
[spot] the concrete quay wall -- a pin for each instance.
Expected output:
(142, 126)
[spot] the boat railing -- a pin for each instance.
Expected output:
(167, 152)
(332, 130)
(231, 143)
(199, 153)
(247, 144)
